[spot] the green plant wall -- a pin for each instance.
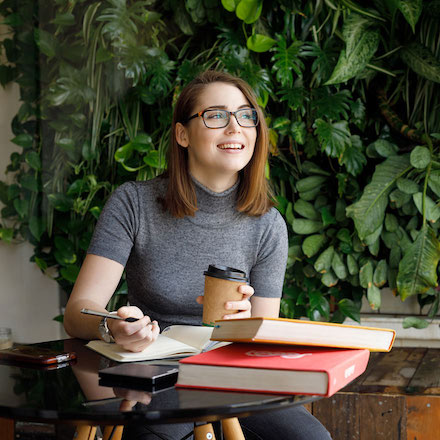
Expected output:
(351, 94)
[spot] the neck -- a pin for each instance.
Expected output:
(216, 184)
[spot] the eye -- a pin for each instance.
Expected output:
(215, 114)
(247, 114)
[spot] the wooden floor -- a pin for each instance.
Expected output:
(397, 398)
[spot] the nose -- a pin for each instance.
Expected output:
(233, 125)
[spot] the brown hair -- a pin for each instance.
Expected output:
(253, 192)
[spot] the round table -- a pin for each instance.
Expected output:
(72, 394)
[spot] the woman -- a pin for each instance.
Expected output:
(211, 207)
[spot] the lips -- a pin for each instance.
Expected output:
(230, 146)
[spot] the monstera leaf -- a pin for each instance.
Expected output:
(418, 268)
(369, 211)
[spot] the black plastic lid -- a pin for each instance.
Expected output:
(226, 273)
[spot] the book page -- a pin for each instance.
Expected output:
(162, 348)
(196, 336)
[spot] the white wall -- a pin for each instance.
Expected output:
(28, 299)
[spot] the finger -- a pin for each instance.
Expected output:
(246, 290)
(238, 305)
(127, 329)
(142, 339)
(127, 405)
(199, 299)
(130, 312)
(239, 315)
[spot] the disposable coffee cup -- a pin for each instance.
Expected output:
(221, 286)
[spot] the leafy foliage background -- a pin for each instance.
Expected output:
(351, 94)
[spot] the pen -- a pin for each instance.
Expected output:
(107, 315)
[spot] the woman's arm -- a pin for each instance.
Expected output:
(94, 287)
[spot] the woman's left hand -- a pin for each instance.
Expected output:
(244, 306)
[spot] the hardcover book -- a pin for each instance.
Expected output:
(301, 332)
(273, 369)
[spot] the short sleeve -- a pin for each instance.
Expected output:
(267, 275)
(117, 226)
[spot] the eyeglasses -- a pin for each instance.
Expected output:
(216, 118)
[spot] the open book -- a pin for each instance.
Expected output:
(174, 341)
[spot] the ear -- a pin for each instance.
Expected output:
(181, 134)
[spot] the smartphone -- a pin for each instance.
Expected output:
(35, 355)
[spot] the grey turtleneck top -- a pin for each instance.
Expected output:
(164, 257)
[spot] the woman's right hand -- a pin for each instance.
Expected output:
(133, 336)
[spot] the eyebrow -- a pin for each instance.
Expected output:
(224, 106)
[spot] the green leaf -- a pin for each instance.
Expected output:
(61, 202)
(420, 157)
(6, 234)
(368, 213)
(399, 198)
(338, 266)
(289, 213)
(249, 10)
(353, 157)
(259, 43)
(41, 263)
(434, 183)
(33, 160)
(22, 207)
(366, 275)
(37, 226)
(344, 235)
(329, 279)
(373, 296)
(23, 140)
(286, 61)
(352, 266)
(312, 244)
(306, 209)
(95, 211)
(230, 5)
(422, 61)
(411, 10)
(432, 210)
(310, 183)
(380, 273)
(407, 186)
(124, 153)
(333, 137)
(152, 159)
(29, 182)
(385, 148)
(391, 223)
(412, 321)
(327, 217)
(349, 309)
(324, 261)
(59, 318)
(306, 227)
(360, 48)
(418, 268)
(66, 19)
(46, 42)
(331, 106)
(299, 132)
(70, 273)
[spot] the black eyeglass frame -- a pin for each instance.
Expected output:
(201, 114)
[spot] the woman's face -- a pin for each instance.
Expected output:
(217, 155)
